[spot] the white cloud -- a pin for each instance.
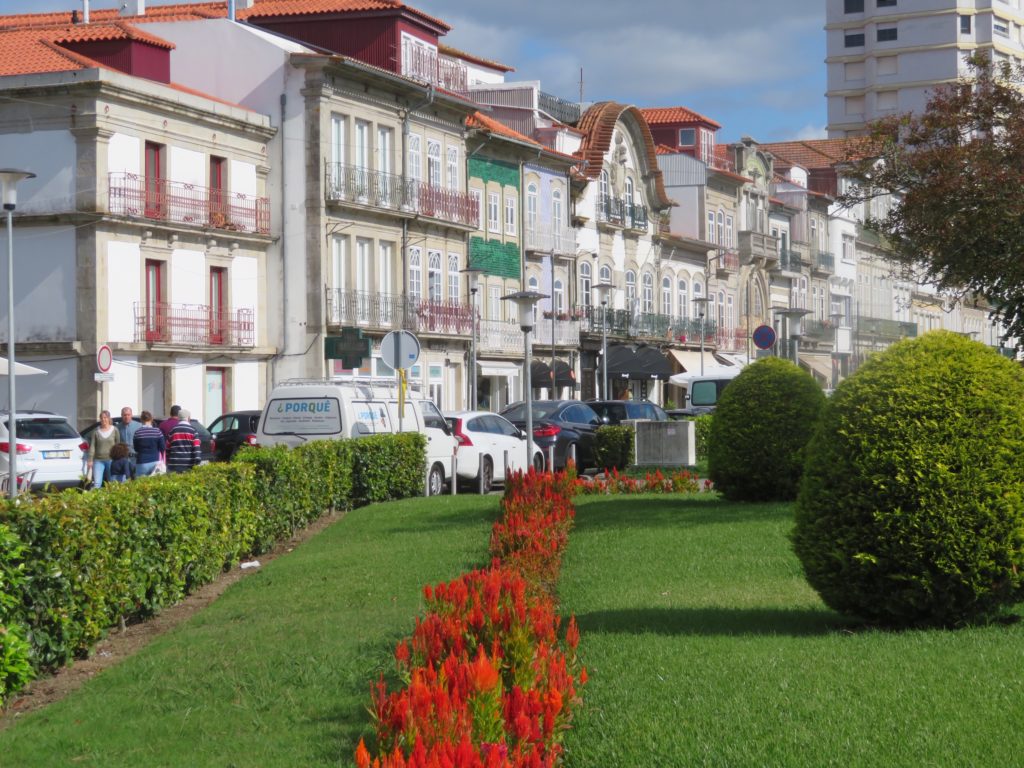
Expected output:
(811, 132)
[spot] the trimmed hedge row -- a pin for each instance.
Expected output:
(78, 563)
(613, 447)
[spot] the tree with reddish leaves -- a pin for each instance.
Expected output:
(956, 176)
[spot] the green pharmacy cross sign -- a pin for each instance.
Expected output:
(351, 347)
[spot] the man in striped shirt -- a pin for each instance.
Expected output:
(183, 444)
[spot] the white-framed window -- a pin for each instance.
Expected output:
(337, 138)
(604, 184)
(729, 233)
(965, 24)
(707, 146)
(720, 229)
(454, 278)
(683, 298)
(493, 302)
(478, 202)
(559, 292)
(687, 137)
(557, 219)
(629, 202)
(415, 155)
(433, 163)
(510, 214)
(605, 275)
(339, 262)
(648, 293)
(364, 247)
(710, 233)
(630, 290)
(812, 224)
(492, 212)
(849, 247)
(531, 208)
(434, 275)
(385, 257)
(362, 148)
(698, 293)
(385, 148)
(666, 296)
(585, 284)
(730, 313)
(453, 168)
(721, 309)
(532, 285)
(415, 273)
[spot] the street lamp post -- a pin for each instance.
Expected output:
(525, 302)
(603, 289)
(794, 319)
(472, 277)
(703, 309)
(9, 178)
(836, 318)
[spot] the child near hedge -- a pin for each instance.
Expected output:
(121, 469)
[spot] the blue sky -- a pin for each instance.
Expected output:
(755, 67)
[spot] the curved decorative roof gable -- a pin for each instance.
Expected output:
(598, 127)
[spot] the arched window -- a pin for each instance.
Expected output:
(434, 276)
(698, 293)
(604, 185)
(721, 308)
(557, 219)
(454, 283)
(532, 285)
(559, 296)
(666, 296)
(629, 202)
(710, 233)
(683, 299)
(606, 275)
(721, 229)
(433, 163)
(415, 274)
(531, 208)
(648, 294)
(585, 283)
(630, 290)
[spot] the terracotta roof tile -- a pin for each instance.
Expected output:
(80, 33)
(598, 126)
(667, 115)
(27, 51)
(473, 59)
(664, 149)
(480, 120)
(272, 8)
(818, 153)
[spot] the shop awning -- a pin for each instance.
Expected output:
(651, 364)
(621, 361)
(540, 374)
(690, 361)
(819, 366)
(500, 368)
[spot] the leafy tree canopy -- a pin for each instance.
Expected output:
(956, 173)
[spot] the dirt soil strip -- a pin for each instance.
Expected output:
(122, 643)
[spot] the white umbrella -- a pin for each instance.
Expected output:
(20, 369)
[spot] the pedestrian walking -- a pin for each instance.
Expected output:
(183, 451)
(171, 421)
(126, 429)
(121, 468)
(150, 446)
(103, 438)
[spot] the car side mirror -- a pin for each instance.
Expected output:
(520, 434)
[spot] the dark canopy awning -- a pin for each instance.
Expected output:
(621, 361)
(642, 362)
(540, 374)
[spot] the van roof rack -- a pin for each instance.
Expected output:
(372, 381)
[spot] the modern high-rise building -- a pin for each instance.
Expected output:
(885, 57)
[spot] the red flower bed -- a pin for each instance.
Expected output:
(488, 681)
(653, 482)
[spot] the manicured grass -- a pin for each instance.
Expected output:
(277, 671)
(706, 647)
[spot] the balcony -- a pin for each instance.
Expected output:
(500, 336)
(194, 325)
(757, 247)
(818, 330)
(882, 328)
(726, 263)
(354, 185)
(731, 339)
(560, 241)
(636, 217)
(384, 312)
(823, 263)
(176, 202)
(563, 111)
(790, 261)
(566, 332)
(428, 66)
(611, 210)
(645, 325)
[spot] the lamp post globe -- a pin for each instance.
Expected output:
(525, 301)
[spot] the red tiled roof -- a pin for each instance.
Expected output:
(80, 33)
(180, 11)
(489, 124)
(668, 115)
(271, 8)
(473, 59)
(664, 149)
(35, 50)
(598, 126)
(818, 153)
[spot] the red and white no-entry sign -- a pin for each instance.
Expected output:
(104, 358)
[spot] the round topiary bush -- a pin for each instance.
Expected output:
(764, 418)
(911, 511)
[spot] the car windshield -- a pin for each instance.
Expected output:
(44, 428)
(541, 410)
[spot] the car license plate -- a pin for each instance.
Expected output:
(56, 454)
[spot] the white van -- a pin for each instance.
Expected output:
(300, 410)
(702, 390)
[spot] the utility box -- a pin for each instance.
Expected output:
(664, 443)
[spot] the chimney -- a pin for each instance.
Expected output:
(133, 8)
(85, 11)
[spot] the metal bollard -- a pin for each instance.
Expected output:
(506, 466)
(480, 474)
(426, 483)
(455, 475)
(551, 458)
(572, 454)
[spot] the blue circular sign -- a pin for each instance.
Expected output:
(763, 337)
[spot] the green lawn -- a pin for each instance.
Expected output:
(277, 671)
(706, 647)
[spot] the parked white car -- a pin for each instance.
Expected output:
(47, 446)
(488, 435)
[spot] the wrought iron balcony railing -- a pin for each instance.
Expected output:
(427, 65)
(364, 186)
(636, 217)
(557, 240)
(727, 263)
(645, 325)
(611, 210)
(790, 261)
(384, 312)
(566, 332)
(135, 195)
(884, 328)
(499, 336)
(194, 325)
(823, 262)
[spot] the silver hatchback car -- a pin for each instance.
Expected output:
(47, 446)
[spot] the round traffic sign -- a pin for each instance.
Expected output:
(104, 358)
(763, 337)
(400, 349)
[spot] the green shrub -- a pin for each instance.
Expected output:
(911, 510)
(386, 467)
(613, 447)
(702, 430)
(15, 669)
(760, 430)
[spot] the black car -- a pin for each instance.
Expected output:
(614, 412)
(233, 430)
(205, 438)
(560, 423)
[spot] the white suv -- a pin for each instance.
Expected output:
(46, 444)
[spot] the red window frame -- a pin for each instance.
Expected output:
(218, 312)
(218, 192)
(156, 307)
(156, 189)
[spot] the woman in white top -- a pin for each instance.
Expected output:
(103, 438)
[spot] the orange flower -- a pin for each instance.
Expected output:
(362, 756)
(485, 676)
